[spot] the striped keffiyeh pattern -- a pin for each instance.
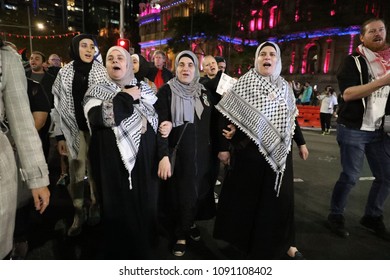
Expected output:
(266, 114)
(128, 132)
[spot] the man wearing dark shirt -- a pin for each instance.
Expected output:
(159, 74)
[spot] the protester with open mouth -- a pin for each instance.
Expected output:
(123, 158)
(71, 127)
(256, 206)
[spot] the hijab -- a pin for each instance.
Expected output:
(74, 46)
(186, 97)
(129, 76)
(143, 67)
(278, 68)
(74, 52)
(263, 107)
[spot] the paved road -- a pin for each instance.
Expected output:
(315, 180)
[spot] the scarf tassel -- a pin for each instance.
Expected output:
(278, 182)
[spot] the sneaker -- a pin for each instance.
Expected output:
(216, 197)
(78, 221)
(195, 233)
(179, 249)
(323, 133)
(376, 224)
(327, 132)
(337, 225)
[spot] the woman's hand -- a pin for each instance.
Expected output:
(165, 128)
(134, 92)
(41, 198)
(303, 152)
(164, 168)
(229, 133)
(62, 148)
(224, 157)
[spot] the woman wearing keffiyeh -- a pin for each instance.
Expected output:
(256, 206)
(71, 127)
(189, 192)
(123, 159)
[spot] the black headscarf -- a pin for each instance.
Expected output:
(80, 79)
(74, 46)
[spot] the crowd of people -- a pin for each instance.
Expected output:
(116, 125)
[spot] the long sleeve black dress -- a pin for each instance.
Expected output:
(128, 215)
(250, 215)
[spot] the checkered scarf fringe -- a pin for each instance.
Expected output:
(266, 114)
(128, 133)
(63, 101)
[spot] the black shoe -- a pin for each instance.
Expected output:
(19, 250)
(179, 249)
(336, 224)
(195, 233)
(376, 224)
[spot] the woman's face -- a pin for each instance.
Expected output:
(86, 50)
(186, 70)
(266, 61)
(135, 65)
(116, 65)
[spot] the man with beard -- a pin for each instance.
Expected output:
(364, 82)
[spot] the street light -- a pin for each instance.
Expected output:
(39, 25)
(29, 27)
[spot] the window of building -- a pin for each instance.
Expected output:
(292, 64)
(310, 59)
(372, 7)
(273, 16)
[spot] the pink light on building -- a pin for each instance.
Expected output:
(147, 9)
(252, 25)
(332, 13)
(327, 56)
(292, 62)
(296, 17)
(260, 20)
(272, 16)
(297, 8)
(351, 43)
(304, 57)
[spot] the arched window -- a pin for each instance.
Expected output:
(292, 64)
(273, 17)
(310, 59)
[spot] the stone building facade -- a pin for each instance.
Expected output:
(314, 36)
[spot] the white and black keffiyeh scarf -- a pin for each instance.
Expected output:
(128, 133)
(266, 114)
(64, 105)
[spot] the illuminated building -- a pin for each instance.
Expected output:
(314, 36)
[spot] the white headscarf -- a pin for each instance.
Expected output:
(129, 76)
(263, 107)
(278, 68)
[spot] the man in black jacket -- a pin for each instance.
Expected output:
(37, 73)
(364, 82)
